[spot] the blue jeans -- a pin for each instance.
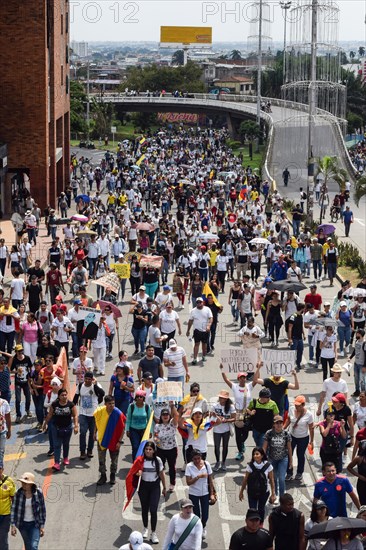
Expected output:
(359, 377)
(77, 342)
(91, 264)
(300, 444)
(344, 335)
(279, 472)
(298, 346)
(30, 535)
(123, 287)
(61, 439)
(18, 398)
(311, 348)
(109, 342)
(235, 312)
(139, 337)
(2, 449)
(86, 423)
(296, 227)
(38, 401)
(135, 438)
(258, 438)
(259, 504)
(200, 507)
(317, 267)
(4, 531)
(203, 271)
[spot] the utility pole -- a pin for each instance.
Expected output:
(312, 113)
(259, 73)
(285, 5)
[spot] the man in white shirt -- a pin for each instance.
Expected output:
(91, 395)
(103, 246)
(93, 252)
(60, 332)
(310, 318)
(163, 298)
(118, 247)
(332, 385)
(175, 359)
(75, 315)
(201, 318)
(17, 290)
(31, 224)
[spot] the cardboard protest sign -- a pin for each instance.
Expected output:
(169, 391)
(151, 261)
(123, 270)
(188, 408)
(239, 359)
(111, 279)
(128, 256)
(278, 362)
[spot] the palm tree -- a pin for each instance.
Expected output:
(178, 58)
(235, 54)
(361, 51)
(360, 189)
(352, 55)
(328, 167)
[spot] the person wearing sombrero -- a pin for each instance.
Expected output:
(28, 512)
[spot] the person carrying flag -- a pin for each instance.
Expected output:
(109, 430)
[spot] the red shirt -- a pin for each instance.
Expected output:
(55, 308)
(47, 377)
(54, 278)
(361, 434)
(314, 299)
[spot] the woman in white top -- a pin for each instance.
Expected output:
(169, 321)
(221, 263)
(165, 437)
(196, 427)
(112, 323)
(242, 396)
(200, 487)
(359, 411)
(151, 475)
(179, 523)
(301, 423)
(328, 350)
(223, 414)
(319, 514)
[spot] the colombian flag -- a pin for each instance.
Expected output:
(206, 291)
(142, 141)
(140, 160)
(110, 427)
(132, 480)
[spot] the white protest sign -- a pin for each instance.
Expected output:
(169, 391)
(278, 362)
(239, 359)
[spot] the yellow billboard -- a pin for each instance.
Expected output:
(189, 36)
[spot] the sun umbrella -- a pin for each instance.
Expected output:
(103, 304)
(144, 226)
(218, 182)
(135, 167)
(84, 198)
(327, 228)
(259, 240)
(208, 236)
(329, 529)
(286, 285)
(80, 218)
(356, 292)
(86, 232)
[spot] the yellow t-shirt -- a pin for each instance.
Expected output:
(213, 255)
(7, 490)
(122, 199)
(111, 199)
(325, 248)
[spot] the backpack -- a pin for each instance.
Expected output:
(203, 263)
(304, 196)
(278, 227)
(99, 395)
(331, 445)
(257, 481)
(146, 409)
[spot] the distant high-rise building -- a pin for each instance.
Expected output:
(35, 99)
(81, 49)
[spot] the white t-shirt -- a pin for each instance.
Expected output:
(176, 528)
(200, 487)
(328, 350)
(18, 286)
(220, 411)
(200, 318)
(143, 546)
(259, 467)
(60, 334)
(149, 472)
(360, 413)
(175, 356)
(242, 395)
(162, 300)
(293, 273)
(168, 321)
(302, 427)
(311, 318)
(88, 400)
(222, 262)
(330, 387)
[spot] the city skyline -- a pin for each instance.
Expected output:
(140, 20)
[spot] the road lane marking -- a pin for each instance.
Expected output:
(14, 456)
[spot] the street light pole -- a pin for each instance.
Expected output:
(285, 5)
(259, 73)
(88, 100)
(312, 112)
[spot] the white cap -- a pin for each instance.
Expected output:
(343, 303)
(135, 539)
(172, 343)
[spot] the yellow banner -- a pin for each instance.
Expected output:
(123, 270)
(186, 35)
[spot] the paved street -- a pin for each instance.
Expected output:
(95, 514)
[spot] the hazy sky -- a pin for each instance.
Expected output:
(115, 20)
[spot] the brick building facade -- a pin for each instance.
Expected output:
(34, 97)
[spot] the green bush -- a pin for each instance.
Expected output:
(234, 144)
(349, 256)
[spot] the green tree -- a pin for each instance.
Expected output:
(103, 114)
(143, 121)
(78, 102)
(248, 130)
(153, 77)
(327, 166)
(360, 190)
(235, 54)
(352, 55)
(361, 51)
(178, 57)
